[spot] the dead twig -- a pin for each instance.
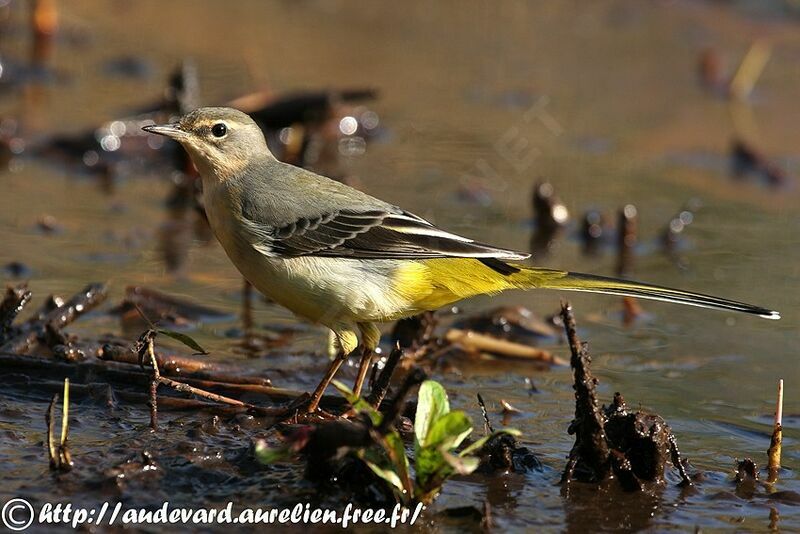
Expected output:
(146, 352)
(124, 374)
(474, 341)
(172, 365)
(214, 397)
(91, 296)
(381, 385)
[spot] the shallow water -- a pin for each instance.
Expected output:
(606, 104)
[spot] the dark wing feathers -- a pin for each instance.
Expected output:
(315, 236)
(375, 234)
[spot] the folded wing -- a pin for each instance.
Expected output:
(371, 234)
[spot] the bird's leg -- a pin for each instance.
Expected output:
(337, 362)
(348, 343)
(371, 337)
(363, 368)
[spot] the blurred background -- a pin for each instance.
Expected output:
(562, 128)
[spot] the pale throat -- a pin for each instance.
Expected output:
(221, 167)
(221, 207)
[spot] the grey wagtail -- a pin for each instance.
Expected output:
(341, 258)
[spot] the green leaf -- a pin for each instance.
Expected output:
(428, 461)
(388, 475)
(397, 473)
(186, 340)
(434, 466)
(432, 404)
(445, 434)
(437, 430)
(393, 444)
(449, 431)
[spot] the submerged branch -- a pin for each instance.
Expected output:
(590, 438)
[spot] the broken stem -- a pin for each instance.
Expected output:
(774, 451)
(50, 420)
(381, 385)
(149, 339)
(65, 414)
(64, 456)
(153, 399)
(395, 407)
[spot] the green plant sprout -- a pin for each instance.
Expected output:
(438, 433)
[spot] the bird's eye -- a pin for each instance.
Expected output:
(219, 130)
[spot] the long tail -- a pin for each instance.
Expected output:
(551, 279)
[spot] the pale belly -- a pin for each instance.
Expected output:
(328, 290)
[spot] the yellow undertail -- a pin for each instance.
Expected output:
(431, 284)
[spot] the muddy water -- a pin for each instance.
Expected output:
(601, 100)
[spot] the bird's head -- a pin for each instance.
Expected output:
(220, 141)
